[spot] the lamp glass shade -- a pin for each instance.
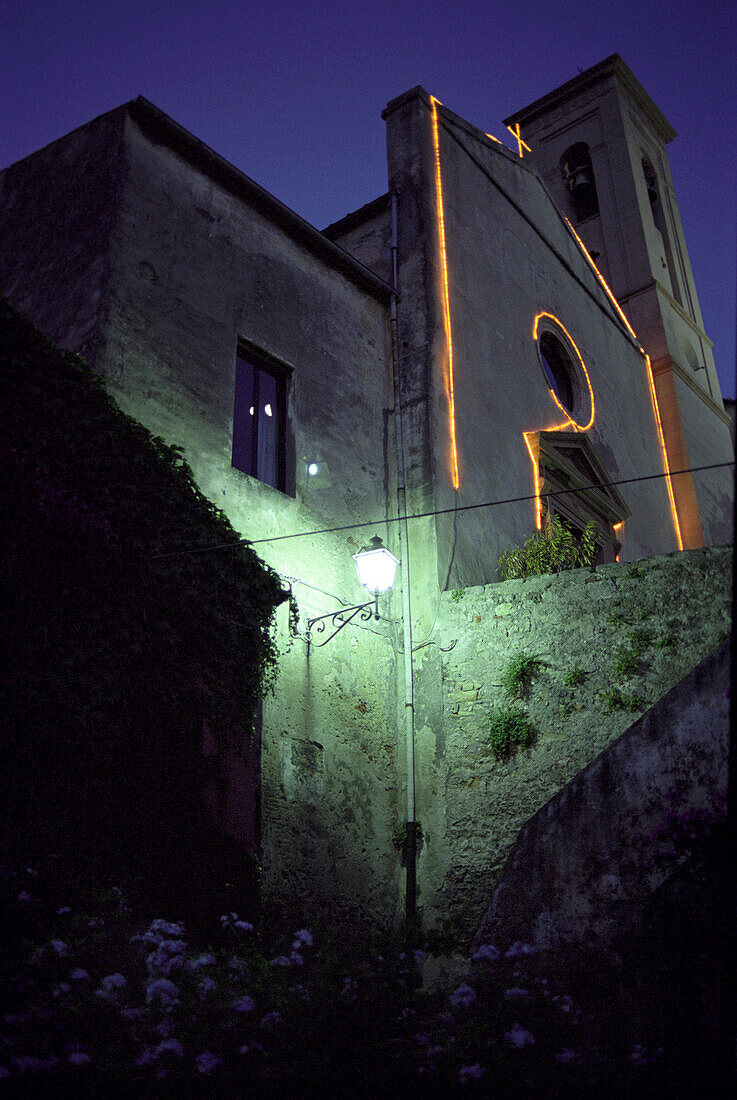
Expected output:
(376, 566)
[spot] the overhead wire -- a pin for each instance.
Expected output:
(435, 512)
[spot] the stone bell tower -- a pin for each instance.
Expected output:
(599, 143)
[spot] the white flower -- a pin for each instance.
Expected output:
(113, 982)
(242, 1004)
(166, 929)
(271, 1019)
(487, 953)
(202, 960)
(163, 990)
(304, 936)
(207, 1062)
(169, 1046)
(463, 997)
(471, 1073)
(566, 1056)
(244, 925)
(518, 1037)
(79, 1058)
(295, 958)
(518, 948)
(64, 909)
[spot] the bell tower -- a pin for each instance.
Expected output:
(599, 142)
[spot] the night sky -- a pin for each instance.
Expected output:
(291, 93)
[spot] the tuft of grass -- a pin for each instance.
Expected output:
(575, 677)
(640, 640)
(626, 663)
(519, 674)
(614, 700)
(458, 594)
(510, 729)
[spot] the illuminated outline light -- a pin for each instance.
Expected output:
(568, 423)
(578, 427)
(650, 379)
(516, 134)
(664, 451)
(619, 527)
(446, 297)
(605, 285)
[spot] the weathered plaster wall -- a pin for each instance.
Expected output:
(509, 257)
(472, 806)
(57, 208)
(329, 781)
(581, 861)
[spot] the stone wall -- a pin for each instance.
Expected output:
(472, 805)
(593, 854)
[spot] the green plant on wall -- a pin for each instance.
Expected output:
(510, 729)
(458, 594)
(519, 674)
(626, 663)
(614, 700)
(553, 550)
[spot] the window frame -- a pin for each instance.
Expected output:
(261, 363)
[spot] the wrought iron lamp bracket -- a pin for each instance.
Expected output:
(339, 619)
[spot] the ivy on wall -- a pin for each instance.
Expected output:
(115, 660)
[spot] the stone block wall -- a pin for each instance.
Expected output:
(472, 806)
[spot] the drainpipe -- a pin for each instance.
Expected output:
(409, 706)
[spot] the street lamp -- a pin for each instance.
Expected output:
(377, 568)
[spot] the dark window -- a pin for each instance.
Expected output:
(575, 164)
(656, 207)
(260, 418)
(558, 368)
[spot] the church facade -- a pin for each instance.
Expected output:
(495, 329)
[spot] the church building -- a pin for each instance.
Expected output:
(501, 337)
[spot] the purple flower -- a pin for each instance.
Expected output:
(515, 992)
(487, 953)
(206, 986)
(207, 1062)
(24, 896)
(163, 990)
(79, 1058)
(243, 1004)
(518, 948)
(471, 1073)
(64, 909)
(463, 997)
(280, 960)
(304, 937)
(60, 947)
(202, 960)
(271, 1019)
(518, 1037)
(565, 1056)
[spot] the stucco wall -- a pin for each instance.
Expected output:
(509, 258)
(471, 805)
(593, 850)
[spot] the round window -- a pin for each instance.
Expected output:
(564, 370)
(558, 369)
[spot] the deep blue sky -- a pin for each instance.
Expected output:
(292, 93)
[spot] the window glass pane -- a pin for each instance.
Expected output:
(243, 416)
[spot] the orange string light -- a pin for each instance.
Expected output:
(516, 133)
(446, 296)
(663, 449)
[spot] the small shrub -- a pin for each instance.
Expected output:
(550, 551)
(510, 729)
(615, 618)
(626, 663)
(458, 594)
(614, 700)
(665, 640)
(519, 674)
(640, 640)
(575, 677)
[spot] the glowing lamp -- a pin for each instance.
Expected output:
(376, 567)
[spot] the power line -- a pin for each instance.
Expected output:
(436, 512)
